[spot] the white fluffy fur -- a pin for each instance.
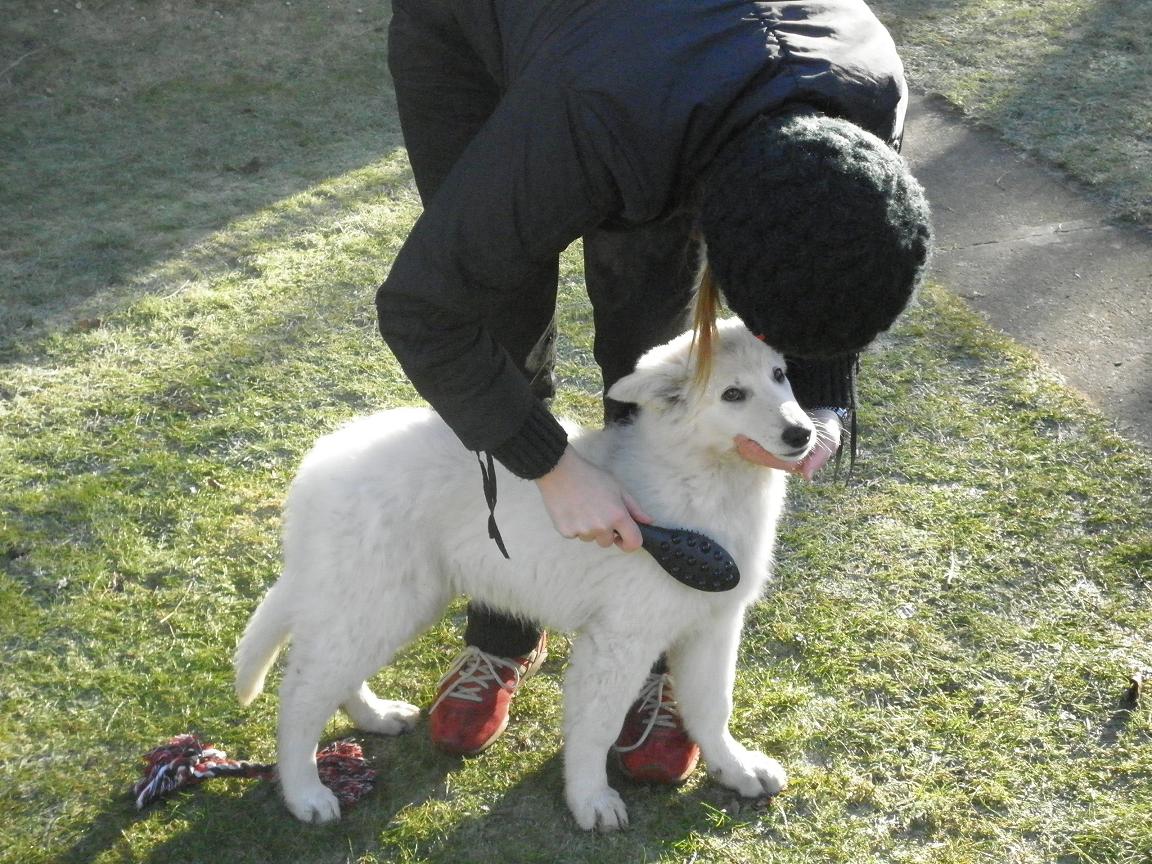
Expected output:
(386, 522)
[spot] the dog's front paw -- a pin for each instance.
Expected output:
(753, 775)
(313, 803)
(602, 810)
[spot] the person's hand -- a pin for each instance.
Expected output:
(828, 433)
(587, 503)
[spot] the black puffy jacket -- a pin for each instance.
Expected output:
(610, 110)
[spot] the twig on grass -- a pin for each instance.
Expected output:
(179, 602)
(19, 60)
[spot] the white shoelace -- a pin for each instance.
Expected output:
(664, 714)
(477, 672)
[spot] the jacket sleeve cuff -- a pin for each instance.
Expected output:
(536, 447)
(824, 383)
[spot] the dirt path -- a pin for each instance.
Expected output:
(1040, 260)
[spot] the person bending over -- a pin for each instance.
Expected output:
(748, 147)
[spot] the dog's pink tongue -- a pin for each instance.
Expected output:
(754, 453)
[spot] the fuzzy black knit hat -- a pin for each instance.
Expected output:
(816, 233)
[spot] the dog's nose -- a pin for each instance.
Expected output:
(797, 436)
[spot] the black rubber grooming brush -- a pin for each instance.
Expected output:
(690, 557)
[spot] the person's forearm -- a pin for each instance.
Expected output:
(535, 448)
(458, 367)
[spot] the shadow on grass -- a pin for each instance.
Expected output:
(133, 131)
(217, 411)
(530, 822)
(1070, 82)
(1119, 720)
(205, 826)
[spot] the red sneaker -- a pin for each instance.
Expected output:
(653, 746)
(471, 708)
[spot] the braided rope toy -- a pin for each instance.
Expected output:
(187, 761)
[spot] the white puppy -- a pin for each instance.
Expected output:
(386, 523)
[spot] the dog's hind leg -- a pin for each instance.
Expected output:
(703, 667)
(327, 668)
(605, 673)
(310, 693)
(320, 676)
(381, 716)
(393, 625)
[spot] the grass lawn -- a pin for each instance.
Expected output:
(1069, 80)
(198, 202)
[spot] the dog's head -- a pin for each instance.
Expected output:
(747, 395)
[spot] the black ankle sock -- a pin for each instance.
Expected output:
(496, 633)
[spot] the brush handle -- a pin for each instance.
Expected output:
(691, 557)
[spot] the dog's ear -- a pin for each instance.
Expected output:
(662, 384)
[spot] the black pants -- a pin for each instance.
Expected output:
(446, 67)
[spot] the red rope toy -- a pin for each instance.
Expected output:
(186, 761)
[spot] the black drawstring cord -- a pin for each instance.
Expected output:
(489, 475)
(853, 408)
(851, 432)
(851, 427)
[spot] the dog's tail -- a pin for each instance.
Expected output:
(262, 640)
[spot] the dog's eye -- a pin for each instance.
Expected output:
(778, 375)
(733, 394)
